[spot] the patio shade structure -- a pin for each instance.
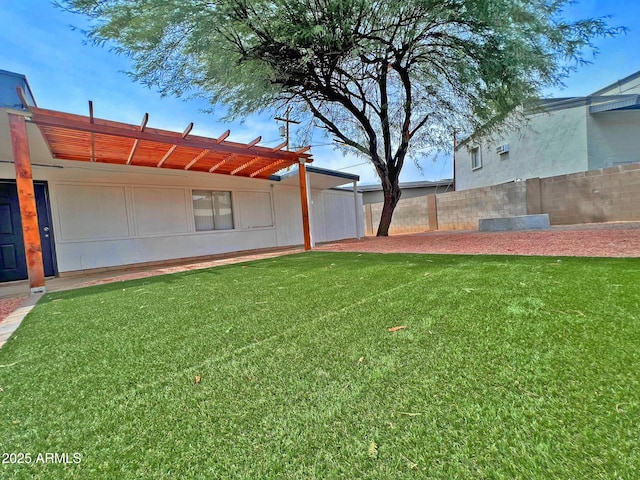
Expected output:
(89, 139)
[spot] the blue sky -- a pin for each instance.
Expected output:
(65, 73)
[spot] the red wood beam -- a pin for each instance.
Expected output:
(304, 201)
(166, 156)
(93, 140)
(282, 145)
(173, 147)
(50, 118)
(198, 157)
(223, 136)
(245, 165)
(143, 125)
(233, 155)
(27, 201)
(221, 162)
(253, 142)
(266, 167)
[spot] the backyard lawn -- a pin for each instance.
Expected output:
(509, 367)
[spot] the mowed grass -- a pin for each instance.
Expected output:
(510, 367)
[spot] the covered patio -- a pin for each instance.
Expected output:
(92, 140)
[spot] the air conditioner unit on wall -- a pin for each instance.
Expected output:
(502, 149)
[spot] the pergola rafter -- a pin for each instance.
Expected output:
(173, 147)
(75, 137)
(136, 141)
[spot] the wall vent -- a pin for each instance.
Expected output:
(502, 149)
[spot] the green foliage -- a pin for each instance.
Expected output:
(465, 60)
(387, 79)
(510, 367)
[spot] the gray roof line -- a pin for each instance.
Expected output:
(617, 83)
(321, 171)
(418, 184)
(552, 104)
(333, 173)
(632, 102)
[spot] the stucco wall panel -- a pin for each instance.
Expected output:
(549, 144)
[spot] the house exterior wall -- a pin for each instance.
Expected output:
(564, 150)
(613, 138)
(333, 216)
(110, 215)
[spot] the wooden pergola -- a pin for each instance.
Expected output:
(90, 139)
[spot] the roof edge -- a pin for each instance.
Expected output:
(406, 185)
(617, 83)
(321, 171)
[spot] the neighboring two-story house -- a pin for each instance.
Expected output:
(570, 135)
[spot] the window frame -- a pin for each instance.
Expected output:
(213, 211)
(477, 165)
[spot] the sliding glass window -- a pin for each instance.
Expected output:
(212, 210)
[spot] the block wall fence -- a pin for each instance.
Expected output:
(605, 195)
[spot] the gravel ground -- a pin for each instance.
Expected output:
(596, 240)
(8, 305)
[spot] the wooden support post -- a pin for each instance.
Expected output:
(93, 135)
(310, 203)
(27, 201)
(355, 203)
(304, 201)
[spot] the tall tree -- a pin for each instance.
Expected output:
(386, 79)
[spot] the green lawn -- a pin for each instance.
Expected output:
(510, 367)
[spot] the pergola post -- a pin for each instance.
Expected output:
(304, 202)
(27, 202)
(355, 203)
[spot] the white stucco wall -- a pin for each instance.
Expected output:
(108, 215)
(562, 150)
(614, 138)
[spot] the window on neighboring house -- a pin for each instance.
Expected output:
(212, 210)
(476, 161)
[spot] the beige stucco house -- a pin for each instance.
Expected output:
(570, 135)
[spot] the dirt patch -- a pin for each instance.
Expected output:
(8, 305)
(602, 240)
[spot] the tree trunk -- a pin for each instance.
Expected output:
(391, 191)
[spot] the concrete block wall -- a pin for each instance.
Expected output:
(411, 215)
(604, 195)
(462, 210)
